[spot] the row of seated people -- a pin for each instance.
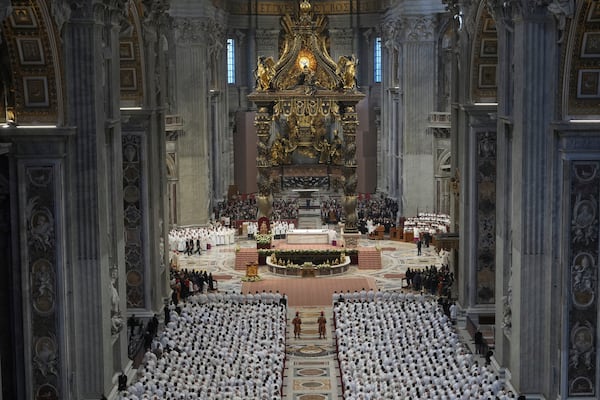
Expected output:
(216, 347)
(247, 209)
(371, 211)
(377, 208)
(430, 223)
(237, 209)
(404, 347)
(331, 210)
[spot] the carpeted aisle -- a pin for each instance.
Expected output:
(307, 292)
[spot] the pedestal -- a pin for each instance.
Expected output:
(351, 240)
(251, 269)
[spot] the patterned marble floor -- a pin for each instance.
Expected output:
(396, 258)
(311, 371)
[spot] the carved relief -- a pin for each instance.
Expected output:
(41, 225)
(562, 10)
(583, 278)
(133, 212)
(116, 318)
(47, 392)
(41, 253)
(42, 287)
(419, 28)
(486, 210)
(45, 358)
(190, 30)
(584, 226)
(582, 349)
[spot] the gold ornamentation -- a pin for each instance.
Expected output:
(346, 70)
(265, 71)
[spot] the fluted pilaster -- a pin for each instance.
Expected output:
(193, 105)
(418, 85)
(82, 57)
(534, 95)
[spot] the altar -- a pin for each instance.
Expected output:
(311, 236)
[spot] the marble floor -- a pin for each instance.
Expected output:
(396, 258)
(312, 371)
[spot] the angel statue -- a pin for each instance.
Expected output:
(346, 70)
(265, 71)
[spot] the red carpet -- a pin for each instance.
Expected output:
(306, 292)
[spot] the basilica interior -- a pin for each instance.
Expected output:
(457, 135)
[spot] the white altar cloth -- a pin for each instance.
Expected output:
(310, 236)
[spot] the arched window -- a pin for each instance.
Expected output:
(377, 60)
(230, 61)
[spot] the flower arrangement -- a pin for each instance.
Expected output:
(263, 238)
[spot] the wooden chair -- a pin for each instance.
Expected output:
(378, 233)
(395, 233)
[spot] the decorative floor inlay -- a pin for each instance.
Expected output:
(311, 351)
(320, 384)
(311, 362)
(303, 372)
(313, 396)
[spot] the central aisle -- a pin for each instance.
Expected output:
(311, 369)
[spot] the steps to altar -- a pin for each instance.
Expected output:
(369, 258)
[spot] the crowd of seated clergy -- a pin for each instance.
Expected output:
(430, 223)
(376, 211)
(285, 209)
(237, 209)
(331, 210)
(215, 346)
(393, 345)
(247, 210)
